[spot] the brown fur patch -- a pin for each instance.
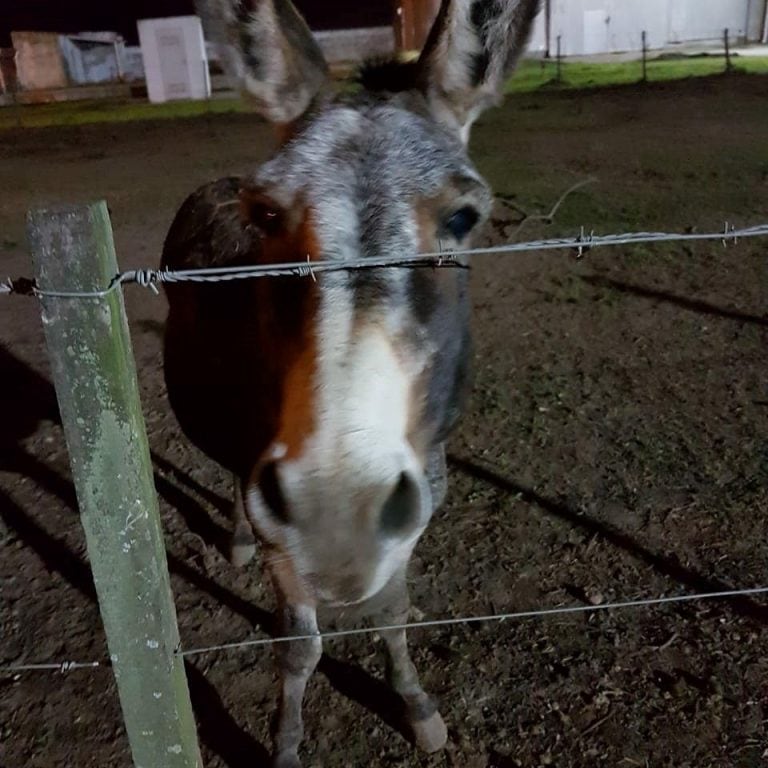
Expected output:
(297, 412)
(429, 215)
(418, 438)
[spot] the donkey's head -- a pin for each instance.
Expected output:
(366, 384)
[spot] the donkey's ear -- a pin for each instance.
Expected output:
(267, 48)
(472, 48)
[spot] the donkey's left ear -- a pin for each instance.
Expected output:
(471, 50)
(267, 47)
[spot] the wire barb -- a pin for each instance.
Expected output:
(147, 278)
(730, 231)
(309, 269)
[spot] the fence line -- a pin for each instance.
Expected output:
(66, 666)
(580, 244)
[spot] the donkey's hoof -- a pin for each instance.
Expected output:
(241, 553)
(288, 758)
(430, 734)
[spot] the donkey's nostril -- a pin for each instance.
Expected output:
(401, 509)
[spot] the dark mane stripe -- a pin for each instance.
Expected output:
(388, 75)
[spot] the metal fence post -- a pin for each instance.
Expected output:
(559, 75)
(727, 40)
(645, 56)
(95, 376)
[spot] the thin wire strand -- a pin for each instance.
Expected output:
(496, 617)
(583, 242)
(62, 666)
(67, 666)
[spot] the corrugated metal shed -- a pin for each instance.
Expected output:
(93, 57)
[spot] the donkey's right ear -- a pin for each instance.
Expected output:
(471, 50)
(267, 48)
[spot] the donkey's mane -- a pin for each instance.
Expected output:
(387, 75)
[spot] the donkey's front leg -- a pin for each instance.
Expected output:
(242, 545)
(297, 660)
(437, 475)
(429, 731)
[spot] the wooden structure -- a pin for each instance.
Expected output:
(95, 377)
(413, 20)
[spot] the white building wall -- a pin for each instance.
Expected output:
(608, 26)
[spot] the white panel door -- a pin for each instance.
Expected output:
(173, 62)
(175, 58)
(595, 32)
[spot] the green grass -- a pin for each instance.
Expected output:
(530, 76)
(111, 111)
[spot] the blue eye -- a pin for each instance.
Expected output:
(461, 223)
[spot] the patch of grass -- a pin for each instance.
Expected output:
(111, 111)
(532, 75)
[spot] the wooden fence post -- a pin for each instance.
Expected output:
(95, 376)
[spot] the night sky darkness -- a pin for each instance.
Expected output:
(117, 16)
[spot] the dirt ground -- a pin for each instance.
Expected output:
(615, 447)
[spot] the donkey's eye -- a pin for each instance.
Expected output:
(460, 223)
(266, 219)
(269, 485)
(258, 211)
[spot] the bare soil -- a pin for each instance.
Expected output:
(615, 447)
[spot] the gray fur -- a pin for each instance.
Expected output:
(339, 508)
(385, 155)
(470, 52)
(267, 48)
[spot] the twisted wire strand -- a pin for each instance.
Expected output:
(452, 259)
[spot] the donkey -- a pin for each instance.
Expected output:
(330, 397)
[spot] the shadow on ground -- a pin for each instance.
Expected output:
(35, 401)
(667, 565)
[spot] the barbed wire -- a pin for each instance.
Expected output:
(499, 618)
(60, 666)
(580, 244)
